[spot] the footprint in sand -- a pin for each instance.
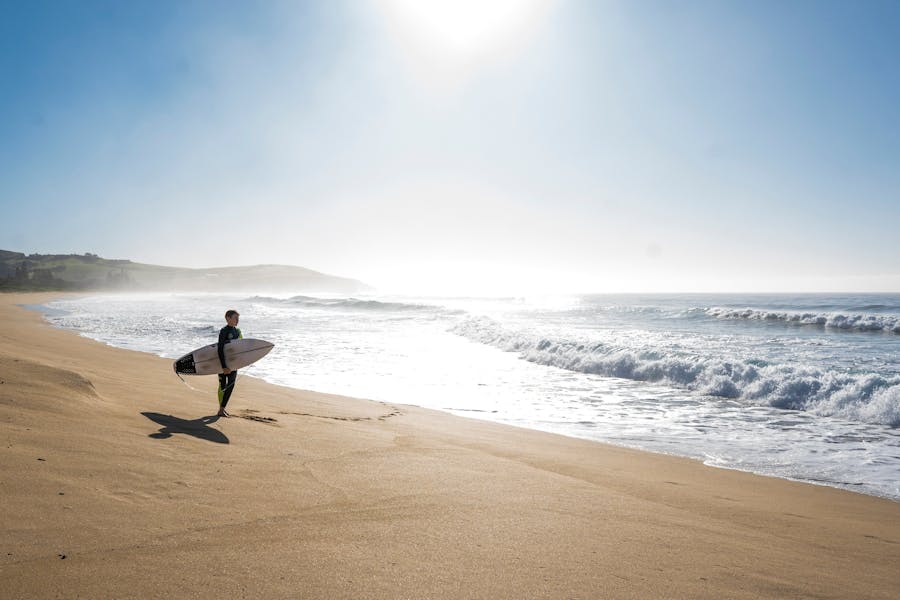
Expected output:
(250, 416)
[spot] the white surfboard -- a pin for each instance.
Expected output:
(238, 354)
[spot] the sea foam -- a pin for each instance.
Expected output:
(869, 398)
(889, 323)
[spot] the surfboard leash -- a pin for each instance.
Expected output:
(236, 379)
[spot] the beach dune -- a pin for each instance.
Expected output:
(118, 482)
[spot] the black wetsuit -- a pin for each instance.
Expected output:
(226, 382)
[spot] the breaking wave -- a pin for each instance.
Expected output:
(342, 303)
(868, 398)
(889, 323)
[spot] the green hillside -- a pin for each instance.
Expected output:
(31, 272)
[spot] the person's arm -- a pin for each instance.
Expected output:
(223, 337)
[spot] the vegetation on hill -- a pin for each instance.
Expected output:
(42, 272)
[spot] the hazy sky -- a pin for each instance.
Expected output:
(462, 146)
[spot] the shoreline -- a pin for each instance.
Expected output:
(112, 464)
(810, 465)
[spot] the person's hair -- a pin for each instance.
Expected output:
(231, 313)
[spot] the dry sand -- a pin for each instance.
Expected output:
(116, 483)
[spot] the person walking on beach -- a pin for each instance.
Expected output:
(227, 377)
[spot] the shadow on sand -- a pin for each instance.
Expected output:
(199, 428)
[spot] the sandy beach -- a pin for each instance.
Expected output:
(117, 482)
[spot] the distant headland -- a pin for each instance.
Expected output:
(88, 272)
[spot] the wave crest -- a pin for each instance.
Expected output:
(342, 303)
(858, 397)
(854, 322)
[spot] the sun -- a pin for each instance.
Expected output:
(465, 28)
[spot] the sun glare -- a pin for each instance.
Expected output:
(463, 28)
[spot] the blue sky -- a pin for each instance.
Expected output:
(462, 147)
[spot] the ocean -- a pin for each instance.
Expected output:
(803, 387)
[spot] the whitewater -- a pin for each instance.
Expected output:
(804, 387)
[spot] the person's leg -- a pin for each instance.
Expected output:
(226, 386)
(223, 386)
